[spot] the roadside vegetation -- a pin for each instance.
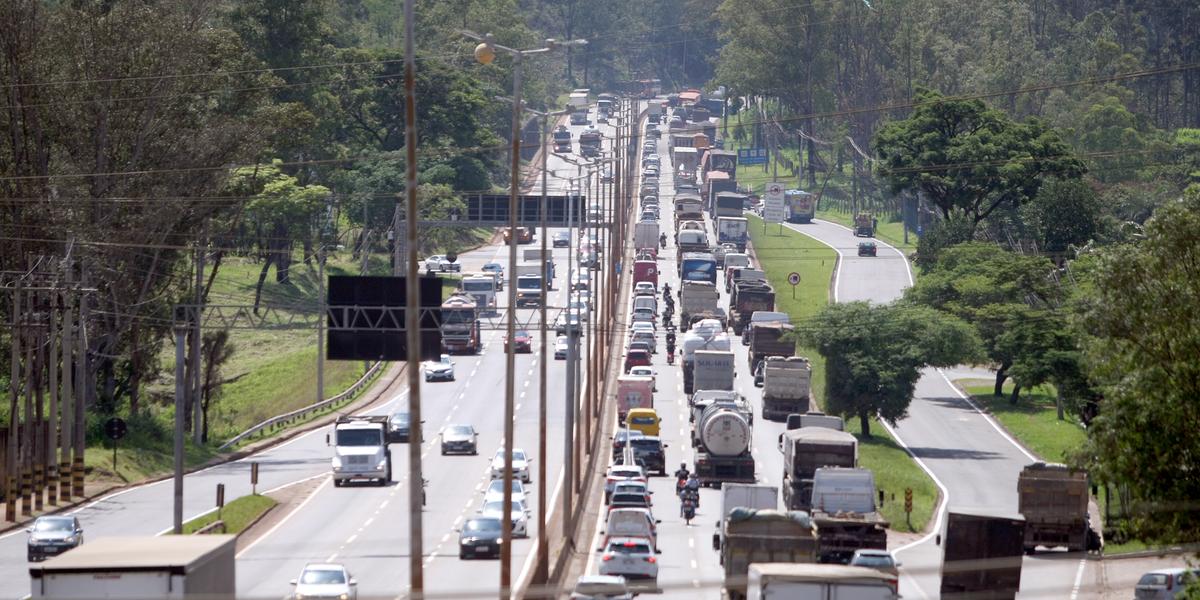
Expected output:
(236, 515)
(781, 252)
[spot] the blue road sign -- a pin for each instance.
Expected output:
(752, 156)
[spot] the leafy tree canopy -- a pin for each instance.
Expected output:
(874, 355)
(1140, 309)
(970, 160)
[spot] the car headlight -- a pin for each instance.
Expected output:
(337, 463)
(344, 597)
(299, 596)
(69, 540)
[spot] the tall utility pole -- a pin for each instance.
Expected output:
(412, 321)
(197, 360)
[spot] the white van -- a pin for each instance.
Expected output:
(737, 259)
(631, 522)
(650, 302)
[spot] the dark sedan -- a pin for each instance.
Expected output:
(480, 537)
(398, 427)
(867, 249)
(562, 239)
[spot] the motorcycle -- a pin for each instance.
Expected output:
(670, 357)
(689, 511)
(662, 240)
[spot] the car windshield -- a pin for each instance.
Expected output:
(628, 548)
(479, 525)
(478, 286)
(358, 437)
(1153, 579)
(498, 506)
(464, 430)
(323, 576)
(400, 419)
(497, 486)
(53, 524)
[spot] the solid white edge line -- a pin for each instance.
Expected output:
(1078, 578)
(942, 506)
(285, 518)
(987, 417)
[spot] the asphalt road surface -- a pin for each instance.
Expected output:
(363, 526)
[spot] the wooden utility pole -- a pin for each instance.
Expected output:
(14, 420)
(52, 441)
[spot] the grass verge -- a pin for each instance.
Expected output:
(237, 515)
(781, 251)
(1033, 420)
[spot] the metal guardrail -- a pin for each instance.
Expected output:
(280, 420)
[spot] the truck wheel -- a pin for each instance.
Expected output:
(337, 483)
(1030, 550)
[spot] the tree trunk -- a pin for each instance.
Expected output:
(864, 423)
(262, 278)
(1016, 394)
(1058, 403)
(1001, 377)
(135, 369)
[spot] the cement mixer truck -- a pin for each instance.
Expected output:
(723, 453)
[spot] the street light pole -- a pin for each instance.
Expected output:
(485, 53)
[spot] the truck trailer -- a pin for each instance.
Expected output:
(1053, 498)
(757, 536)
(141, 568)
(786, 386)
(982, 556)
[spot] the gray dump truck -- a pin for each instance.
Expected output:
(982, 556)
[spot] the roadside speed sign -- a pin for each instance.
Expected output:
(794, 278)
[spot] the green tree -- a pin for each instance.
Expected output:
(1139, 307)
(874, 355)
(1005, 295)
(969, 160)
(1061, 215)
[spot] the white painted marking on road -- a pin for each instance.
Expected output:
(367, 523)
(285, 519)
(1078, 579)
(445, 537)
(350, 540)
(385, 502)
(331, 557)
(691, 542)
(693, 561)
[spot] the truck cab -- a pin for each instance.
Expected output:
(360, 449)
(481, 288)
(529, 291)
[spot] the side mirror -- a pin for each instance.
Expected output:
(657, 521)
(479, 512)
(327, 439)
(29, 530)
(666, 445)
(293, 582)
(353, 582)
(657, 551)
(898, 565)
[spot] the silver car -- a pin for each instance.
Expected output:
(324, 580)
(519, 514)
(1164, 584)
(461, 439)
(53, 535)
(520, 465)
(632, 558)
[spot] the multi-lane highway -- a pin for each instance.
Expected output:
(973, 460)
(363, 526)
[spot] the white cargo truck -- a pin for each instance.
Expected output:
(360, 449)
(645, 235)
(712, 370)
(140, 568)
(802, 581)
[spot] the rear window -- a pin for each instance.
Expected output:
(644, 444)
(629, 548)
(642, 420)
(629, 498)
(1153, 579)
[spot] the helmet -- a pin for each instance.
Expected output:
(683, 465)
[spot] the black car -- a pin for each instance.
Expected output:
(619, 438)
(650, 453)
(480, 537)
(562, 239)
(52, 535)
(398, 427)
(866, 249)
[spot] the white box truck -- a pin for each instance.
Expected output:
(645, 236)
(141, 568)
(801, 581)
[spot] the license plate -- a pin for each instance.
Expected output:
(481, 548)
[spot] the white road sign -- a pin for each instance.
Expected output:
(773, 207)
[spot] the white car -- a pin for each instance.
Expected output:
(324, 580)
(560, 348)
(520, 518)
(438, 263)
(644, 371)
(495, 491)
(641, 335)
(643, 315)
(631, 557)
(644, 288)
(441, 370)
(579, 307)
(582, 281)
(646, 326)
(583, 296)
(601, 587)
(619, 473)
(520, 465)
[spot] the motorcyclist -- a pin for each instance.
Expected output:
(667, 292)
(662, 239)
(682, 474)
(687, 508)
(693, 484)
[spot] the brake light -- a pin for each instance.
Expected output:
(651, 559)
(607, 557)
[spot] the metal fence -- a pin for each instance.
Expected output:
(278, 421)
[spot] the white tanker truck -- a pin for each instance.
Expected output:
(723, 436)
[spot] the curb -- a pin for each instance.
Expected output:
(1155, 553)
